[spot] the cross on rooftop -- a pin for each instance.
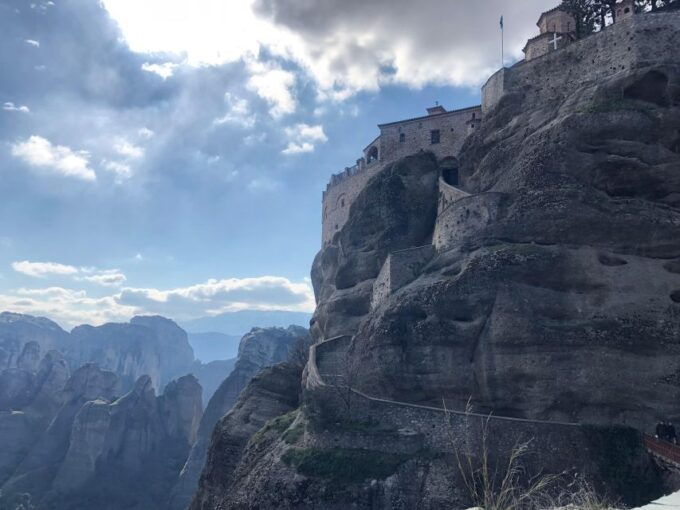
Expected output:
(555, 40)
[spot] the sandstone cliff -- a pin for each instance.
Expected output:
(103, 451)
(152, 346)
(260, 348)
(550, 291)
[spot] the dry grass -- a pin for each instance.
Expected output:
(506, 485)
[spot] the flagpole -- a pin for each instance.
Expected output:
(502, 43)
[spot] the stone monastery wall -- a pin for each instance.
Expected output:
(400, 268)
(453, 127)
(396, 140)
(617, 48)
(340, 195)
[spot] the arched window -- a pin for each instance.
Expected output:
(372, 155)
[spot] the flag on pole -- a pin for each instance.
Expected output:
(502, 44)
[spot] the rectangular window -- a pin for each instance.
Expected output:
(434, 136)
(402, 137)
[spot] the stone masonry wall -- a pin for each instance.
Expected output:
(338, 198)
(447, 195)
(617, 48)
(453, 127)
(400, 268)
(493, 90)
(464, 217)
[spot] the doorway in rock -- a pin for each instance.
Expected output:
(449, 167)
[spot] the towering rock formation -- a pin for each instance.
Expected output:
(16, 330)
(272, 392)
(546, 287)
(107, 452)
(260, 348)
(152, 346)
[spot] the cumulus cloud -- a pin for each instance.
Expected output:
(121, 170)
(107, 279)
(69, 307)
(165, 70)
(218, 296)
(344, 46)
(32, 42)
(274, 85)
(39, 152)
(238, 112)
(128, 149)
(42, 269)
(11, 107)
(303, 137)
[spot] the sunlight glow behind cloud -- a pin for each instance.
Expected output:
(345, 47)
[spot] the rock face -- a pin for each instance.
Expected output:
(30, 396)
(103, 451)
(273, 392)
(212, 374)
(152, 346)
(260, 348)
(551, 291)
(17, 330)
(554, 277)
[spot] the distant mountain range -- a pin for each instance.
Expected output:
(239, 323)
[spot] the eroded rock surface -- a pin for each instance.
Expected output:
(552, 293)
(260, 348)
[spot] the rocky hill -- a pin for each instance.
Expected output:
(545, 290)
(258, 349)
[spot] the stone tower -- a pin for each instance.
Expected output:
(625, 10)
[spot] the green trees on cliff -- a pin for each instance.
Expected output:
(592, 15)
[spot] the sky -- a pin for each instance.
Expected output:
(168, 156)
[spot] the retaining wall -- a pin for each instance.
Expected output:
(400, 268)
(465, 217)
(447, 195)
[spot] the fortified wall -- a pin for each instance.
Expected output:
(624, 45)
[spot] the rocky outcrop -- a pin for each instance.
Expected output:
(552, 294)
(396, 210)
(17, 330)
(258, 349)
(103, 451)
(273, 392)
(152, 346)
(37, 470)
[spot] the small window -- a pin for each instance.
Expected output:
(402, 137)
(434, 136)
(342, 203)
(474, 115)
(626, 10)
